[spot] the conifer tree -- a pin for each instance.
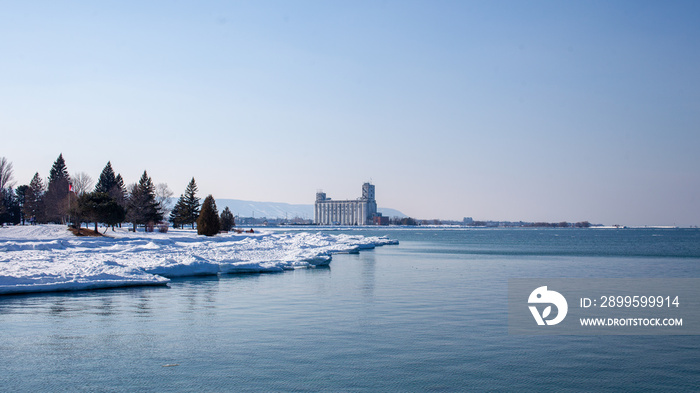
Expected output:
(119, 192)
(56, 198)
(101, 207)
(177, 215)
(208, 220)
(191, 202)
(142, 207)
(9, 207)
(186, 210)
(107, 180)
(21, 194)
(133, 206)
(227, 220)
(34, 200)
(120, 183)
(112, 185)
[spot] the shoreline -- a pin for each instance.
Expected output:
(48, 258)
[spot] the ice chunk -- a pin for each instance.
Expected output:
(49, 258)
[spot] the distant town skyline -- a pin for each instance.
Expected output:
(533, 111)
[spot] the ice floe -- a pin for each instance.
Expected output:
(49, 258)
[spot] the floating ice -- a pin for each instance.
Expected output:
(48, 258)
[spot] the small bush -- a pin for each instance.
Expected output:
(227, 220)
(163, 227)
(208, 222)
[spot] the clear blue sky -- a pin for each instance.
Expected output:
(536, 111)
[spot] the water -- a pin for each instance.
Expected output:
(426, 315)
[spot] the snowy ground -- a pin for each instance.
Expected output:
(49, 258)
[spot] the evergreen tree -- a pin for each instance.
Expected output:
(10, 211)
(56, 198)
(120, 183)
(34, 200)
(133, 206)
(101, 207)
(227, 220)
(191, 201)
(21, 195)
(59, 170)
(119, 192)
(142, 208)
(208, 220)
(177, 215)
(107, 180)
(186, 210)
(113, 185)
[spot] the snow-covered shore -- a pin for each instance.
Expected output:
(49, 258)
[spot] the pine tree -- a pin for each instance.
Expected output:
(186, 209)
(227, 220)
(177, 215)
(10, 211)
(142, 208)
(119, 192)
(191, 201)
(58, 170)
(133, 206)
(120, 183)
(34, 200)
(113, 186)
(107, 180)
(21, 194)
(208, 220)
(56, 198)
(101, 207)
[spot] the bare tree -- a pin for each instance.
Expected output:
(82, 183)
(163, 197)
(5, 174)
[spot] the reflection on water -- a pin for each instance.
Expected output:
(368, 272)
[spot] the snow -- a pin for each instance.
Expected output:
(49, 258)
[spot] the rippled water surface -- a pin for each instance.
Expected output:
(426, 315)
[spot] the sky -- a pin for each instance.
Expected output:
(497, 110)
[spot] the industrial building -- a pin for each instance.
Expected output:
(361, 211)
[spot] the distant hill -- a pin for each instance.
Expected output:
(280, 210)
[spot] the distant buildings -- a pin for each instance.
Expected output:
(361, 211)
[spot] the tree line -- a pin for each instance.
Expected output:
(72, 200)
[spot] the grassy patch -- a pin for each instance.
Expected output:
(84, 232)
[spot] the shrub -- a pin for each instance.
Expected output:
(208, 221)
(227, 220)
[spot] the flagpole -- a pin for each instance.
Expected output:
(70, 188)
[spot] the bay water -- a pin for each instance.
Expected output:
(429, 314)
